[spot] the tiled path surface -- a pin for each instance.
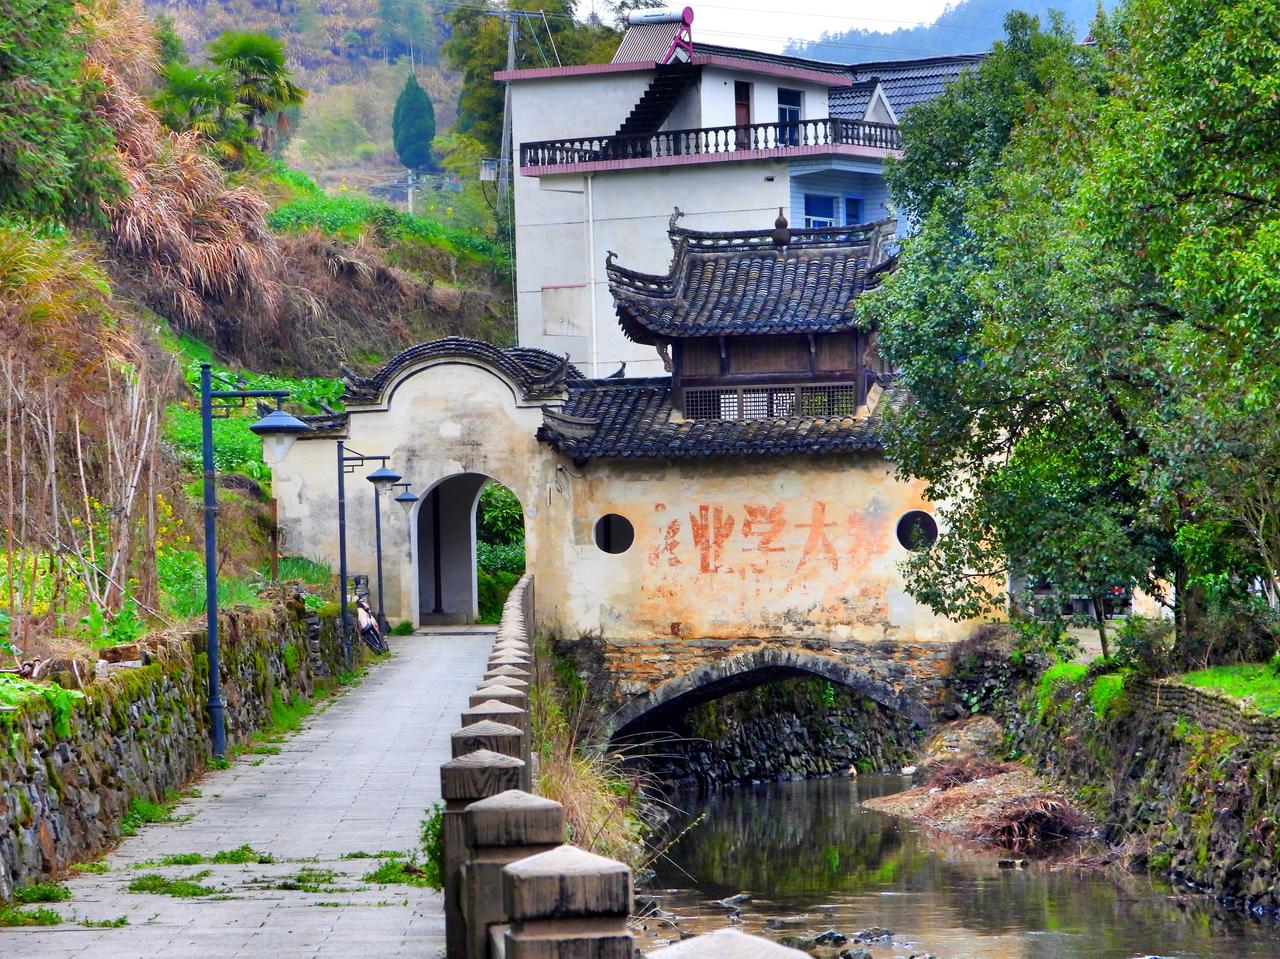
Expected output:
(356, 777)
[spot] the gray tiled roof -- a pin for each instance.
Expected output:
(740, 283)
(632, 419)
(908, 82)
(773, 59)
(850, 103)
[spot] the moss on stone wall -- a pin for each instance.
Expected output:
(68, 777)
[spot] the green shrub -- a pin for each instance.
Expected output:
(492, 588)
(297, 182)
(402, 628)
(433, 846)
(504, 557)
(14, 691)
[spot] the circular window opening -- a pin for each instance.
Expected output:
(614, 533)
(917, 530)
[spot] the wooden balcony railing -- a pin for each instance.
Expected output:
(712, 140)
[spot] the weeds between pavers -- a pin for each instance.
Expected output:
(401, 872)
(42, 892)
(142, 812)
(308, 880)
(81, 868)
(381, 854)
(183, 888)
(117, 923)
(29, 917)
(235, 857)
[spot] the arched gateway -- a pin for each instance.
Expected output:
(681, 528)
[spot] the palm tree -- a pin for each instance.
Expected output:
(204, 101)
(261, 77)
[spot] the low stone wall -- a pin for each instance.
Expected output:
(1188, 777)
(791, 729)
(142, 732)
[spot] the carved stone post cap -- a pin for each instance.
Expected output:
(566, 883)
(515, 671)
(511, 642)
(486, 727)
(489, 706)
(504, 693)
(514, 818)
(504, 658)
(513, 682)
(726, 944)
(477, 774)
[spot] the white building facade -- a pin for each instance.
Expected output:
(606, 152)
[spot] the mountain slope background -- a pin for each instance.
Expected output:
(970, 26)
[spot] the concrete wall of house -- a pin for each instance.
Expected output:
(442, 419)
(631, 213)
(717, 92)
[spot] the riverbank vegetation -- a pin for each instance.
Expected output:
(1086, 320)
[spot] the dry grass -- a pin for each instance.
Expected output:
(949, 773)
(597, 793)
(1031, 823)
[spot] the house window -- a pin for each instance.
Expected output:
(819, 211)
(852, 210)
(789, 102)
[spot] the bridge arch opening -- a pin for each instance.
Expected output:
(769, 714)
(468, 546)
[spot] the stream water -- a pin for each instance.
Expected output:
(807, 849)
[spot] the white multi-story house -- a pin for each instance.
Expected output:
(606, 152)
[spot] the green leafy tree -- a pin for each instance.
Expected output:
(171, 47)
(413, 125)
(477, 48)
(56, 153)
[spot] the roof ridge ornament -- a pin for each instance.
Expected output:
(781, 231)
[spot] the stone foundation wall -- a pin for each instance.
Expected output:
(793, 729)
(1190, 778)
(141, 732)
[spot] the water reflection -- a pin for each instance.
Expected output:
(808, 848)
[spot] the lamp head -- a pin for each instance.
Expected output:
(383, 478)
(406, 500)
(278, 431)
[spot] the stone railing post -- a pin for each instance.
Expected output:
(466, 778)
(726, 944)
(567, 904)
(500, 830)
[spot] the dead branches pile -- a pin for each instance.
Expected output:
(1031, 823)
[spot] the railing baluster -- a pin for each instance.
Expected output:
(828, 131)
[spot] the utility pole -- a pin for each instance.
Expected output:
(504, 155)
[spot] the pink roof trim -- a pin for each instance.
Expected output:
(692, 159)
(770, 69)
(586, 69)
(708, 60)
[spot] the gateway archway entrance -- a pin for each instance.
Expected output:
(445, 529)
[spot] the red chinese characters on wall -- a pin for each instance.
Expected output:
(794, 538)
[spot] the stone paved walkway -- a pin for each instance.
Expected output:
(356, 778)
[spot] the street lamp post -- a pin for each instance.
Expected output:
(278, 430)
(348, 460)
(382, 479)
